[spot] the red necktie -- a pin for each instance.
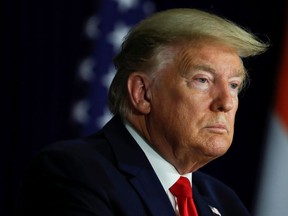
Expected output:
(182, 190)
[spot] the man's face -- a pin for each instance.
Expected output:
(194, 102)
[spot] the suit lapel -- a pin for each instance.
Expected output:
(132, 160)
(204, 208)
(152, 193)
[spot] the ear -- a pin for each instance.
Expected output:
(139, 92)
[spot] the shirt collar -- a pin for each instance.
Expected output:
(165, 171)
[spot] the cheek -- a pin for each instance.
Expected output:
(175, 115)
(179, 108)
(232, 115)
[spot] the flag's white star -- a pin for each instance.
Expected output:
(103, 119)
(85, 70)
(80, 112)
(92, 27)
(116, 37)
(108, 77)
(124, 5)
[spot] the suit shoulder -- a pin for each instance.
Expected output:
(81, 147)
(218, 194)
(75, 154)
(205, 181)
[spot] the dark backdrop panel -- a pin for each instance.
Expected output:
(44, 43)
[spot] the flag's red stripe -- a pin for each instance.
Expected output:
(282, 87)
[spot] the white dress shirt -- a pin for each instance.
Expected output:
(166, 172)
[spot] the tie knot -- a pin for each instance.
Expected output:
(181, 188)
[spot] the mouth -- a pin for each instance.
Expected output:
(218, 128)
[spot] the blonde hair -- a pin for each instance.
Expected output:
(163, 29)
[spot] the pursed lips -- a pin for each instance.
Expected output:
(218, 128)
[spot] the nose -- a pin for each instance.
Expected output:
(223, 99)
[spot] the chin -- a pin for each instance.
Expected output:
(217, 149)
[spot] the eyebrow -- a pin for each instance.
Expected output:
(239, 73)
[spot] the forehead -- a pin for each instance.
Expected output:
(209, 56)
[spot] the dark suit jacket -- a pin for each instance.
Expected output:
(108, 174)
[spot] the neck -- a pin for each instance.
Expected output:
(184, 160)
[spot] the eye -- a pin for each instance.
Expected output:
(202, 80)
(234, 85)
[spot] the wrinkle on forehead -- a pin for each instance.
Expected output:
(185, 63)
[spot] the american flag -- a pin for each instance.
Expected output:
(106, 28)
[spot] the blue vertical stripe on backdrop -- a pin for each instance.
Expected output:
(113, 20)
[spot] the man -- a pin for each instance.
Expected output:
(174, 99)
